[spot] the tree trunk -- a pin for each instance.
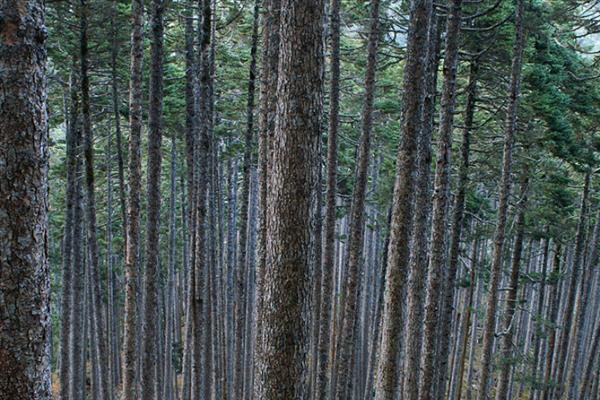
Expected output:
(73, 139)
(133, 210)
(440, 203)
(504, 194)
(24, 276)
(398, 253)
(509, 328)
(578, 256)
(324, 363)
(552, 317)
(281, 372)
(99, 328)
(350, 294)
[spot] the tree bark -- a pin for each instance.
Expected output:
(354, 268)
(504, 193)
(133, 210)
(388, 369)
(24, 273)
(323, 362)
(281, 366)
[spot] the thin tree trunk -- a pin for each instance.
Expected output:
(388, 369)
(578, 256)
(25, 274)
(589, 366)
(509, 328)
(552, 317)
(73, 139)
(440, 204)
(324, 363)
(504, 194)
(91, 205)
(281, 372)
(350, 294)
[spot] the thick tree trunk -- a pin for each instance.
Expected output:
(281, 372)
(388, 369)
(354, 268)
(504, 194)
(323, 362)
(24, 273)
(133, 209)
(440, 205)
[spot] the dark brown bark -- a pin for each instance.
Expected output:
(24, 273)
(323, 362)
(281, 371)
(133, 209)
(354, 267)
(388, 368)
(503, 194)
(440, 202)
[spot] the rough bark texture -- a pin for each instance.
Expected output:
(133, 209)
(440, 201)
(504, 193)
(388, 368)
(281, 371)
(354, 268)
(419, 252)
(323, 362)
(24, 274)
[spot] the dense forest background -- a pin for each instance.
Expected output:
(443, 202)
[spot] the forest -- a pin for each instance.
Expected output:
(299, 199)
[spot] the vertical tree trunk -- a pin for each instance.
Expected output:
(268, 86)
(440, 203)
(578, 256)
(241, 265)
(552, 317)
(73, 138)
(350, 294)
(509, 326)
(504, 193)
(388, 369)
(149, 376)
(281, 372)
(99, 328)
(589, 366)
(24, 273)
(324, 363)
(419, 252)
(457, 225)
(133, 210)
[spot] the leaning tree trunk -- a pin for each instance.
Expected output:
(24, 273)
(98, 317)
(350, 293)
(572, 288)
(133, 209)
(440, 203)
(323, 361)
(281, 372)
(388, 368)
(504, 194)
